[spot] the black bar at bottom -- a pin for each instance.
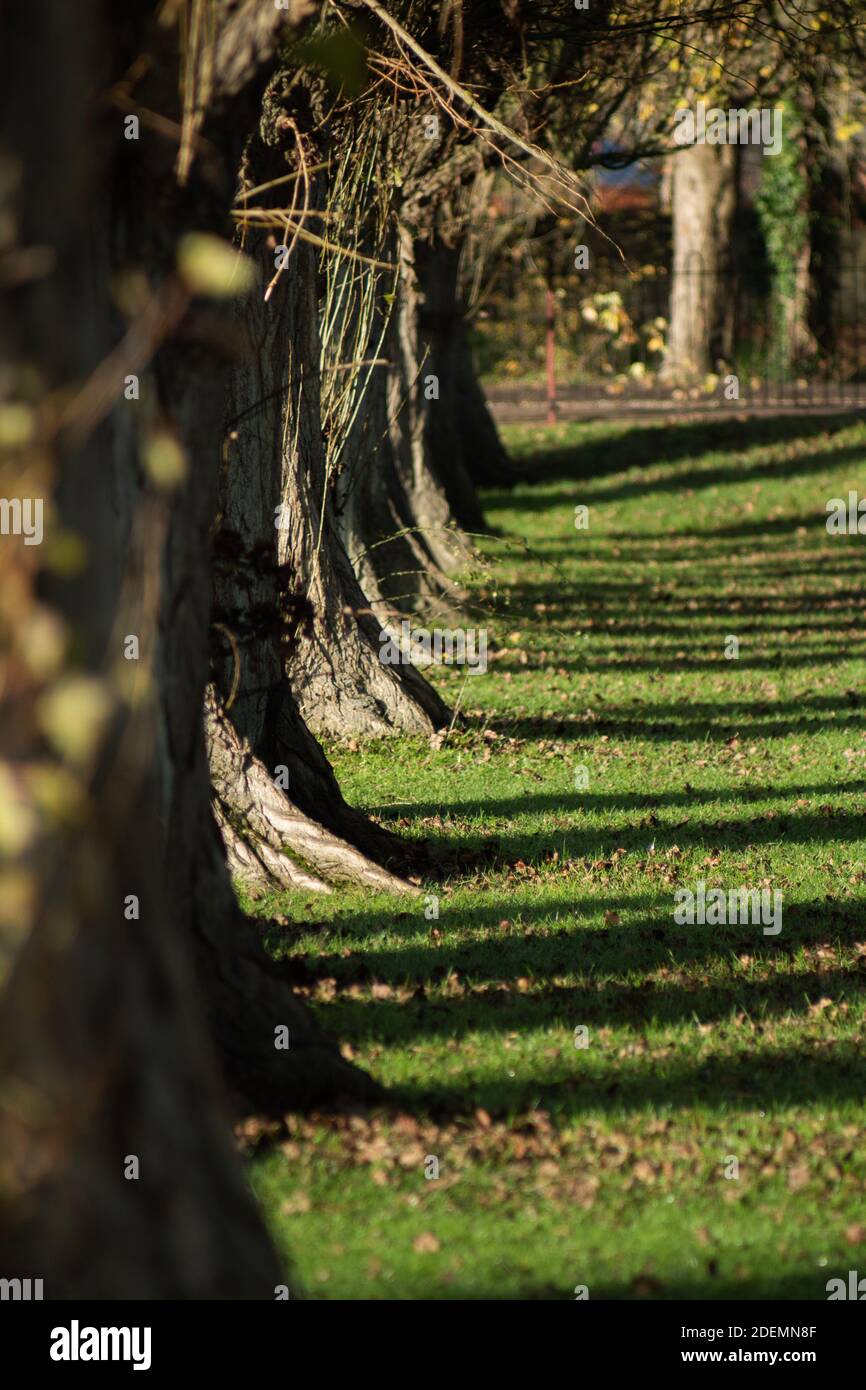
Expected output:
(257, 1341)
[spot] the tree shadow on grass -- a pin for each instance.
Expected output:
(642, 971)
(839, 461)
(606, 1004)
(636, 631)
(709, 546)
(645, 970)
(592, 458)
(771, 1080)
(827, 1073)
(611, 595)
(539, 803)
(504, 849)
(772, 661)
(677, 723)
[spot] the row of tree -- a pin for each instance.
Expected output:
(253, 459)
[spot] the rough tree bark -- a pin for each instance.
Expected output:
(246, 995)
(394, 515)
(103, 1047)
(104, 1050)
(462, 441)
(703, 203)
(417, 400)
(407, 499)
(301, 645)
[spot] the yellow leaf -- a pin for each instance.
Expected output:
(164, 460)
(18, 821)
(208, 265)
(73, 716)
(17, 425)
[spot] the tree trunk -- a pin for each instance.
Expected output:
(341, 683)
(118, 1177)
(269, 840)
(394, 515)
(300, 643)
(417, 403)
(462, 441)
(704, 198)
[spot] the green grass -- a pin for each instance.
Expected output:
(604, 1166)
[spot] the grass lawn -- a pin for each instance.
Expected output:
(709, 1048)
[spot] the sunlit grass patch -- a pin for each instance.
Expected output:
(613, 753)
